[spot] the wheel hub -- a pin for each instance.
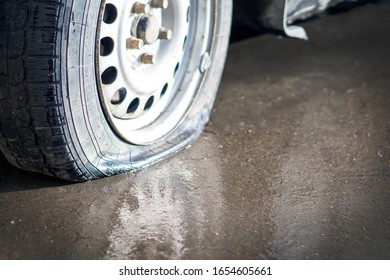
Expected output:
(148, 29)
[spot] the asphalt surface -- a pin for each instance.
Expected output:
(293, 165)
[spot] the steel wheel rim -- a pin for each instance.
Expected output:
(144, 102)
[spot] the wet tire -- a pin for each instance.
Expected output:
(55, 118)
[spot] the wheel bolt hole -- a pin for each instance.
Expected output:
(119, 97)
(109, 75)
(110, 14)
(106, 46)
(185, 42)
(176, 68)
(164, 90)
(149, 104)
(133, 106)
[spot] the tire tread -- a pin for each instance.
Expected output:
(32, 120)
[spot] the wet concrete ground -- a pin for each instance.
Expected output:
(294, 165)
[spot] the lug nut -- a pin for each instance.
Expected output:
(165, 34)
(160, 4)
(140, 8)
(148, 58)
(134, 43)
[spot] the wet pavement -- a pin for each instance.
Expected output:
(295, 164)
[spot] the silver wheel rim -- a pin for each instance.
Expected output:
(152, 56)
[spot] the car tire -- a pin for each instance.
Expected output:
(93, 88)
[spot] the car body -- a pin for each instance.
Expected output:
(280, 14)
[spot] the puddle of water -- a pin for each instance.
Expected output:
(171, 208)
